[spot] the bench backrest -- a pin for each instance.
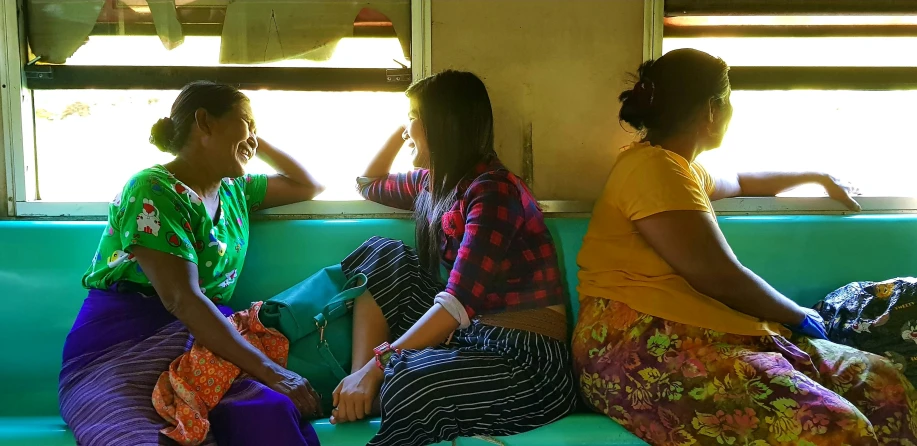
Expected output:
(41, 264)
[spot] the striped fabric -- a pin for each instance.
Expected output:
(108, 401)
(488, 381)
(118, 347)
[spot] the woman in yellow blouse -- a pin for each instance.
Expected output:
(677, 340)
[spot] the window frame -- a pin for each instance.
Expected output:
(79, 77)
(790, 7)
(18, 141)
(12, 127)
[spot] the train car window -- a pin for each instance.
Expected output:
(326, 81)
(813, 92)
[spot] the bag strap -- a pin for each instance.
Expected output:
(333, 364)
(337, 306)
(352, 289)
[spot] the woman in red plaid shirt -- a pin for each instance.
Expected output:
(467, 335)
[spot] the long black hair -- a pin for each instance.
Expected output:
(456, 114)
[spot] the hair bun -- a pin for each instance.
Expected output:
(636, 105)
(637, 102)
(643, 93)
(162, 134)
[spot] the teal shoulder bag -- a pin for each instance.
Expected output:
(315, 315)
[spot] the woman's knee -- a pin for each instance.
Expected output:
(265, 401)
(249, 404)
(406, 385)
(374, 247)
(255, 417)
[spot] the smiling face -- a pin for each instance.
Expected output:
(231, 142)
(415, 136)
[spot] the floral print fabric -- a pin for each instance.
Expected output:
(157, 211)
(877, 317)
(198, 379)
(674, 384)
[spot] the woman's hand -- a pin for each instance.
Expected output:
(297, 389)
(812, 326)
(842, 192)
(770, 184)
(354, 396)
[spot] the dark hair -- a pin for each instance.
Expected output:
(458, 120)
(170, 134)
(669, 90)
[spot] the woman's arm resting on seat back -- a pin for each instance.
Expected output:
(175, 281)
(692, 243)
(769, 184)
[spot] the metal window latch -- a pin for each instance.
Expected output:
(38, 72)
(398, 75)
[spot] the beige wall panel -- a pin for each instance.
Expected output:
(554, 65)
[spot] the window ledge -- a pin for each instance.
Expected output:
(307, 210)
(813, 205)
(316, 210)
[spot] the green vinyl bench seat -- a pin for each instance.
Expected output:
(805, 257)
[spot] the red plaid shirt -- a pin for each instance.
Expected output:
(494, 239)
